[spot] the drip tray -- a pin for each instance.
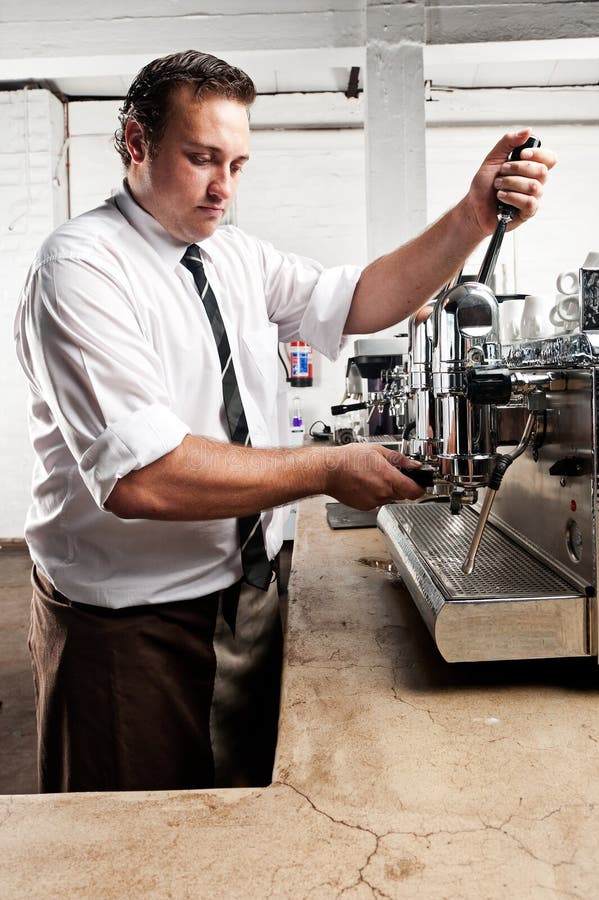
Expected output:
(512, 607)
(503, 570)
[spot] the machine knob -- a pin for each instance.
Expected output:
(488, 385)
(569, 467)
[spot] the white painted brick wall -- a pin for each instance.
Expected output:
(33, 200)
(304, 191)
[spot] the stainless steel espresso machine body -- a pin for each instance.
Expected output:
(532, 590)
(501, 554)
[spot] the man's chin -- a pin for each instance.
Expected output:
(201, 234)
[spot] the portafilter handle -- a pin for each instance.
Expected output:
(424, 476)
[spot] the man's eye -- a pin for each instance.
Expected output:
(200, 160)
(237, 170)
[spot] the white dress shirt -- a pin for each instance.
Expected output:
(121, 364)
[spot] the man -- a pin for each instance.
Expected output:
(149, 339)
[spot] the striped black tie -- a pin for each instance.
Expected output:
(257, 569)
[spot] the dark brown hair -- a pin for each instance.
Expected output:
(148, 98)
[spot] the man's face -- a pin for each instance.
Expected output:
(193, 178)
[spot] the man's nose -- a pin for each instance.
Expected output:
(222, 184)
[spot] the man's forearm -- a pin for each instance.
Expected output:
(205, 479)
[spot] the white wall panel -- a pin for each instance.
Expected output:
(33, 193)
(95, 170)
(304, 191)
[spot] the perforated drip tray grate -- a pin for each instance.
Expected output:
(503, 568)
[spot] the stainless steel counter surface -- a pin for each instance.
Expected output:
(397, 774)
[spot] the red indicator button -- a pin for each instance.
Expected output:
(573, 505)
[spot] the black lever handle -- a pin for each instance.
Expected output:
(485, 385)
(347, 407)
(422, 475)
(505, 209)
(505, 214)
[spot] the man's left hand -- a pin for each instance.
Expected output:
(519, 183)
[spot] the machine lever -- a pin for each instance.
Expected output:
(504, 209)
(347, 407)
(505, 214)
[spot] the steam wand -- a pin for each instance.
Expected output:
(501, 467)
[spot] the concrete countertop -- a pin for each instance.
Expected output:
(397, 774)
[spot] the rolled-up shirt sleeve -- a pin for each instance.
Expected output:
(132, 443)
(306, 300)
(85, 352)
(324, 319)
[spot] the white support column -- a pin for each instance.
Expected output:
(394, 124)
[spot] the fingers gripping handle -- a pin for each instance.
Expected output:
(504, 210)
(505, 214)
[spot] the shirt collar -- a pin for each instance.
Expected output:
(166, 246)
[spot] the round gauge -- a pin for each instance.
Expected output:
(574, 541)
(476, 356)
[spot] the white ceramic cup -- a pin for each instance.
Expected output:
(567, 282)
(565, 313)
(510, 317)
(509, 331)
(536, 323)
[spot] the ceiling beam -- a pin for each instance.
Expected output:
(458, 22)
(151, 35)
(34, 33)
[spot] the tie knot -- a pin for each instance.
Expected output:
(191, 258)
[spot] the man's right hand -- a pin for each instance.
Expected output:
(367, 475)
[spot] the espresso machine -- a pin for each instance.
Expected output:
(500, 555)
(374, 406)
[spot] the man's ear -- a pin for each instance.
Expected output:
(136, 144)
